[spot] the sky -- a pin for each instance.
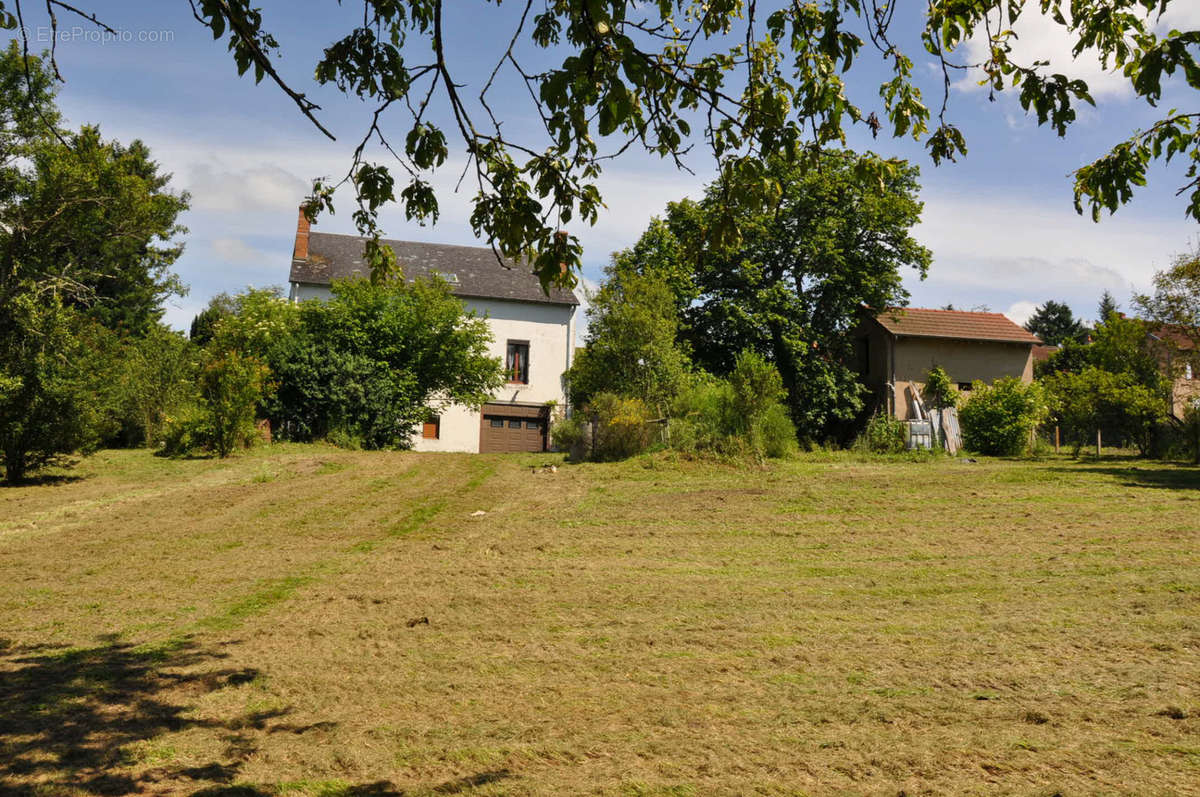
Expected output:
(1000, 222)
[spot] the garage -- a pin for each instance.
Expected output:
(512, 427)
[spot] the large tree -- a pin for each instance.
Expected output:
(757, 83)
(84, 240)
(796, 283)
(1055, 324)
(94, 218)
(632, 348)
(367, 365)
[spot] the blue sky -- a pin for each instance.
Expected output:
(1000, 222)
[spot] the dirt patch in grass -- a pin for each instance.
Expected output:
(649, 627)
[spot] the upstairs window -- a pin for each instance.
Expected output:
(516, 363)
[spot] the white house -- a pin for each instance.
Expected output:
(533, 333)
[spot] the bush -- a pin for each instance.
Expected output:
(775, 434)
(622, 428)
(187, 432)
(939, 391)
(882, 435)
(230, 386)
(997, 420)
(1190, 432)
(567, 433)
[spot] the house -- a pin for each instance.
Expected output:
(1176, 350)
(533, 332)
(895, 349)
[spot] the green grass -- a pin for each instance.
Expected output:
(304, 620)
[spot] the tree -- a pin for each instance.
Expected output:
(1175, 303)
(230, 387)
(604, 76)
(1108, 305)
(79, 222)
(93, 217)
(1096, 399)
(796, 284)
(46, 406)
(631, 346)
(373, 361)
(204, 323)
(1054, 323)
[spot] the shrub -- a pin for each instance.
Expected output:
(882, 435)
(775, 433)
(939, 391)
(567, 433)
(230, 386)
(997, 420)
(187, 432)
(158, 379)
(1191, 432)
(622, 428)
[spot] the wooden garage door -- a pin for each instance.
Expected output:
(512, 428)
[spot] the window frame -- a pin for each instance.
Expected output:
(435, 421)
(518, 373)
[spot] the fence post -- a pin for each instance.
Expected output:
(1056, 438)
(1097, 442)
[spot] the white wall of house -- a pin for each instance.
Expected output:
(549, 329)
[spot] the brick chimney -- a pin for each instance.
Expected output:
(301, 250)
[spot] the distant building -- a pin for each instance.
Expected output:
(895, 349)
(533, 333)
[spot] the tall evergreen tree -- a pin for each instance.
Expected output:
(1055, 324)
(1108, 305)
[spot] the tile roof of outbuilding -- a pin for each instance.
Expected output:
(473, 271)
(917, 322)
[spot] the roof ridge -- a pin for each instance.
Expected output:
(404, 241)
(944, 310)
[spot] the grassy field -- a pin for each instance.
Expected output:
(313, 621)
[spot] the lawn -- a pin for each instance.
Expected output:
(305, 620)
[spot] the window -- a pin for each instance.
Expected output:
(964, 386)
(496, 423)
(514, 423)
(516, 363)
(1187, 371)
(432, 429)
(536, 425)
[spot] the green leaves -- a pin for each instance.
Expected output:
(672, 76)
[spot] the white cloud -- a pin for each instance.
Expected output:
(1020, 312)
(1037, 37)
(235, 250)
(1010, 251)
(267, 187)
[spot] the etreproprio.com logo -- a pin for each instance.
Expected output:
(78, 34)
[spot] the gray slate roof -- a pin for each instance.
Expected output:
(479, 275)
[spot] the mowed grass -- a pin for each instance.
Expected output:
(304, 620)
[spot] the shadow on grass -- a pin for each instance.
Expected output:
(66, 713)
(43, 480)
(71, 719)
(1181, 477)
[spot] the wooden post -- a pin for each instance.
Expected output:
(1097, 442)
(1056, 438)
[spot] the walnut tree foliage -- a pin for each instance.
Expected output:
(751, 82)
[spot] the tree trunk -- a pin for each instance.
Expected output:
(14, 466)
